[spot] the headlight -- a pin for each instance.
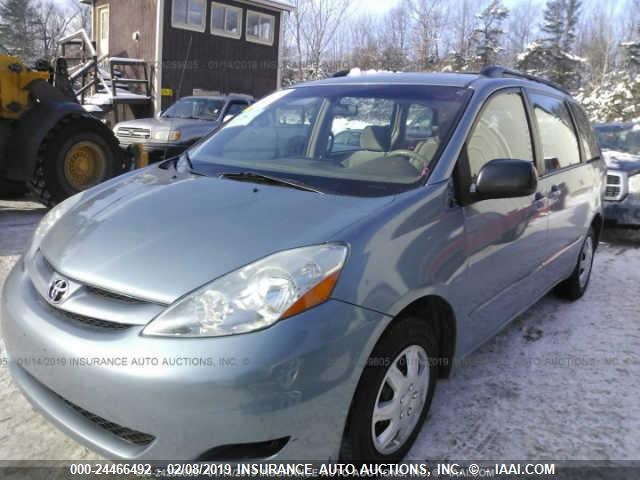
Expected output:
(49, 220)
(256, 296)
(167, 135)
(634, 183)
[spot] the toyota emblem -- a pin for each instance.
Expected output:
(58, 290)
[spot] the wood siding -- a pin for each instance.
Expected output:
(202, 61)
(125, 18)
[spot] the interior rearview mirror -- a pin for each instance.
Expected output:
(345, 110)
(505, 178)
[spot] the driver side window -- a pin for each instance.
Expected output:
(502, 131)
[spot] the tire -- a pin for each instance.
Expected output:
(77, 154)
(11, 190)
(574, 287)
(358, 446)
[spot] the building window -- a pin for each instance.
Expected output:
(226, 20)
(189, 14)
(260, 27)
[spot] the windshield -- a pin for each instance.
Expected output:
(366, 140)
(196, 108)
(621, 138)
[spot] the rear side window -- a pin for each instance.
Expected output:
(502, 131)
(559, 142)
(587, 137)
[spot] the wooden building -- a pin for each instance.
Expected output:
(195, 46)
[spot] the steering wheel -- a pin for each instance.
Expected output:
(409, 153)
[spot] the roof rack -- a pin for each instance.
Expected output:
(497, 71)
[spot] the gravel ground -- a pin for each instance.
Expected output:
(560, 383)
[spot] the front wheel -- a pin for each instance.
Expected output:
(393, 396)
(77, 154)
(574, 287)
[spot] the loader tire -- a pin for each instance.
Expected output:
(78, 153)
(11, 190)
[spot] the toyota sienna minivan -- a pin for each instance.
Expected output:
(267, 295)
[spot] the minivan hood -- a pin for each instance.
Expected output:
(157, 235)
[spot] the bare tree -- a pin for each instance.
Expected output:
(323, 19)
(366, 48)
(429, 20)
(82, 18)
(598, 40)
(522, 26)
(52, 23)
(312, 28)
(463, 26)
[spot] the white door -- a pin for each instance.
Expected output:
(102, 37)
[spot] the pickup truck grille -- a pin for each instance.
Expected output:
(131, 132)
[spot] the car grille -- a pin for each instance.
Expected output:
(87, 305)
(111, 295)
(131, 132)
(92, 322)
(123, 433)
(614, 189)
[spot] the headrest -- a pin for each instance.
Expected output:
(375, 138)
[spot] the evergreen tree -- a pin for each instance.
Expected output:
(615, 99)
(487, 34)
(17, 20)
(552, 56)
(631, 51)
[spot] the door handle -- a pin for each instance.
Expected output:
(556, 191)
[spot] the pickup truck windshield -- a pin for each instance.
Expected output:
(195, 108)
(365, 140)
(620, 138)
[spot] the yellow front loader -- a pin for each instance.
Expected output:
(48, 143)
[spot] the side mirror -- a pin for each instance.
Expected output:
(505, 178)
(227, 117)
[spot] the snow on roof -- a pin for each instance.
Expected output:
(277, 4)
(126, 60)
(107, 98)
(356, 72)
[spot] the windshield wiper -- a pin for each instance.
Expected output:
(268, 179)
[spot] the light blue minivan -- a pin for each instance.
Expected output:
(269, 296)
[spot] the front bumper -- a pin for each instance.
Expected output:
(157, 151)
(623, 213)
(295, 379)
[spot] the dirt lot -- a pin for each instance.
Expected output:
(561, 382)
